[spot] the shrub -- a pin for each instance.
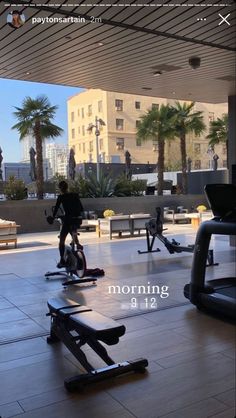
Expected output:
(15, 189)
(123, 186)
(80, 185)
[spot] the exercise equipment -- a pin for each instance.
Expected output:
(218, 295)
(75, 268)
(154, 229)
(76, 325)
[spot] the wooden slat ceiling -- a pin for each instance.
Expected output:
(138, 39)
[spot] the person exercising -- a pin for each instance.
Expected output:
(71, 220)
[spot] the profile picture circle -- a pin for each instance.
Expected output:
(16, 19)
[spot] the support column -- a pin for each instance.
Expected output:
(232, 148)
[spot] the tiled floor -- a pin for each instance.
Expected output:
(191, 355)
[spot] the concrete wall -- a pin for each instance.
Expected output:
(30, 213)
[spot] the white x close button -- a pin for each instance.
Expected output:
(224, 19)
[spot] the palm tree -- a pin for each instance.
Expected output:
(34, 117)
(218, 132)
(156, 125)
(186, 121)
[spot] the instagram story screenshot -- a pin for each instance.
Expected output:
(117, 208)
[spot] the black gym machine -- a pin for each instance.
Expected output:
(154, 229)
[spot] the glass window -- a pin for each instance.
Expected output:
(83, 147)
(100, 106)
(82, 112)
(138, 105)
(119, 124)
(73, 133)
(197, 164)
(119, 104)
(155, 106)
(78, 113)
(197, 148)
(137, 122)
(72, 116)
(89, 110)
(90, 146)
(138, 142)
(120, 143)
(83, 130)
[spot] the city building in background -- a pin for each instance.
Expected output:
(57, 157)
(121, 113)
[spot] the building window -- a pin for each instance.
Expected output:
(138, 142)
(83, 147)
(72, 133)
(224, 163)
(89, 110)
(211, 116)
(101, 143)
(197, 148)
(78, 113)
(197, 164)
(72, 116)
(155, 106)
(100, 106)
(83, 130)
(137, 123)
(119, 124)
(119, 104)
(138, 105)
(90, 146)
(90, 158)
(82, 112)
(79, 147)
(120, 143)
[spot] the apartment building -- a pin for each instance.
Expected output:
(121, 113)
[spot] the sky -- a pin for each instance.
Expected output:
(12, 93)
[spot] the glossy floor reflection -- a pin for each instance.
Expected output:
(191, 355)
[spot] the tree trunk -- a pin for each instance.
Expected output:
(184, 163)
(39, 160)
(160, 166)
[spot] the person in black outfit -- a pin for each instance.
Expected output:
(71, 219)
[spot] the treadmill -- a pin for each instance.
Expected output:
(219, 295)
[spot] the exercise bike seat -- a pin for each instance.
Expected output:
(85, 321)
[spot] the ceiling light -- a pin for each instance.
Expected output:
(28, 73)
(157, 73)
(100, 43)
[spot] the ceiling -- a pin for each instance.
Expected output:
(125, 46)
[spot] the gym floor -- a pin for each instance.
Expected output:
(191, 354)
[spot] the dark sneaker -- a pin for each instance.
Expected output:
(61, 264)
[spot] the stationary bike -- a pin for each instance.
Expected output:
(75, 261)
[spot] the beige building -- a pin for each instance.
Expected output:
(121, 113)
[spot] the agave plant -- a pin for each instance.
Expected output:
(104, 187)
